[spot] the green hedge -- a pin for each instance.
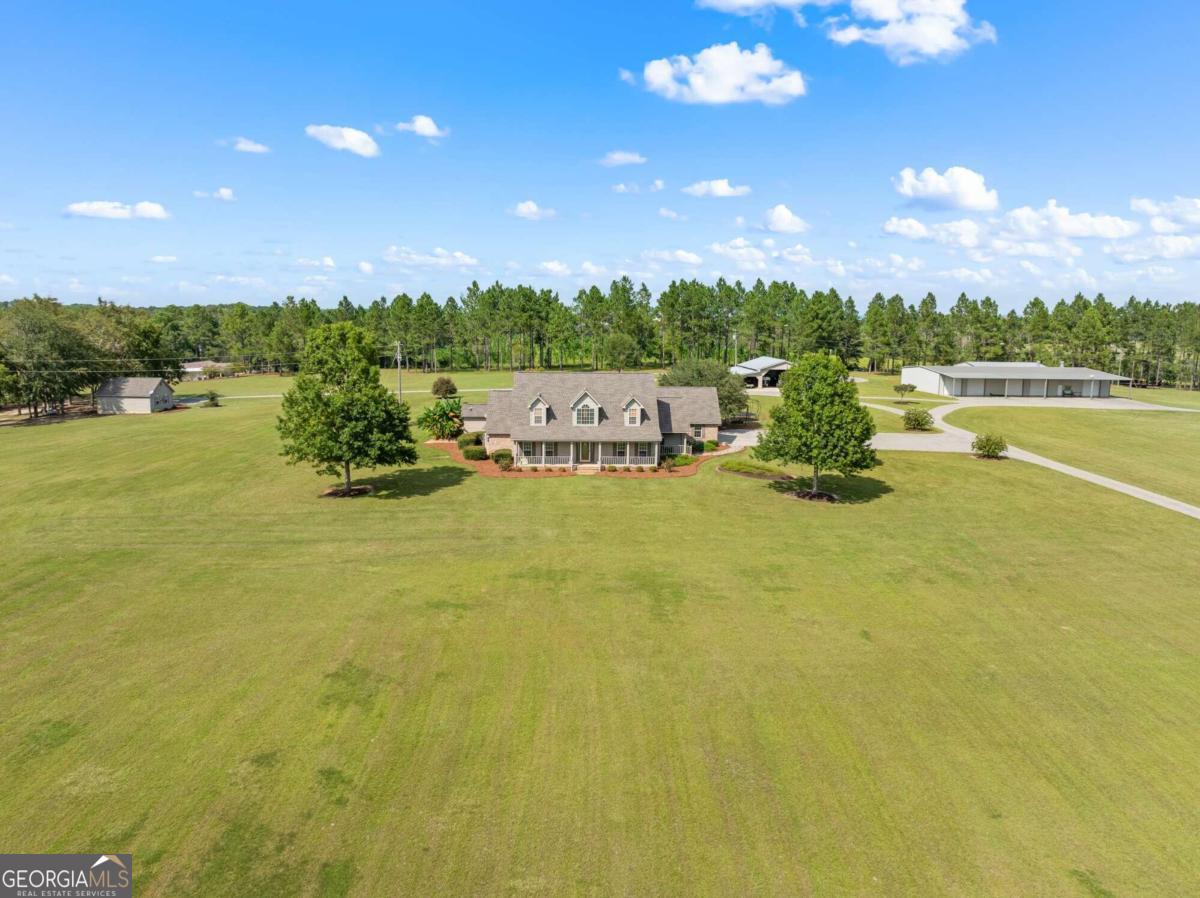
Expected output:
(470, 439)
(476, 453)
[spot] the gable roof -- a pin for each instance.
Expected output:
(759, 365)
(1018, 371)
(681, 407)
(131, 387)
(666, 409)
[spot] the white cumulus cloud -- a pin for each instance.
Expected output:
(911, 31)
(531, 211)
(1159, 246)
(366, 268)
(555, 267)
(725, 73)
(1058, 221)
(622, 157)
(1171, 217)
(246, 145)
(423, 126)
(164, 260)
(339, 137)
(112, 209)
(671, 214)
(719, 187)
(743, 253)
(681, 256)
(439, 258)
(323, 262)
(782, 220)
(957, 188)
(591, 269)
(225, 194)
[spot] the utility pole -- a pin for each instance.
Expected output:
(398, 393)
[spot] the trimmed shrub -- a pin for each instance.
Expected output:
(212, 399)
(989, 445)
(697, 448)
(682, 461)
(444, 388)
(475, 438)
(476, 453)
(918, 419)
(668, 464)
(501, 455)
(612, 469)
(640, 469)
(711, 445)
(504, 464)
(533, 468)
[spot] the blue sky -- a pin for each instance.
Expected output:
(1004, 148)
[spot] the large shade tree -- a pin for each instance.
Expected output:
(338, 414)
(820, 421)
(731, 389)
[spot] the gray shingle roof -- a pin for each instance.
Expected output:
(130, 387)
(666, 409)
(1032, 371)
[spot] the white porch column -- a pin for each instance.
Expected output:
(627, 457)
(1045, 388)
(572, 453)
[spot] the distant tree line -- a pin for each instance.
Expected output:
(49, 352)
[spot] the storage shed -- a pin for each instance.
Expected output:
(134, 396)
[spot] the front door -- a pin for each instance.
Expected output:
(585, 453)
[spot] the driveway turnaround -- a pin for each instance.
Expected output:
(956, 439)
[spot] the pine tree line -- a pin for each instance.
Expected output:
(50, 352)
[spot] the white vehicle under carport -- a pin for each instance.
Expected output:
(1011, 380)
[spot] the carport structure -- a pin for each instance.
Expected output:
(763, 371)
(1011, 380)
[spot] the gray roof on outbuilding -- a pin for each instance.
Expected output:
(1032, 371)
(759, 365)
(131, 387)
(665, 409)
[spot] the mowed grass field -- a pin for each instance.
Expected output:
(975, 679)
(1158, 451)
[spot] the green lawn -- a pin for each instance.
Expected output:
(416, 383)
(1158, 451)
(1161, 396)
(976, 679)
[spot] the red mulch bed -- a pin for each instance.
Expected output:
(488, 468)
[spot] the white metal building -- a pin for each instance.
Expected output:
(1011, 379)
(763, 371)
(134, 396)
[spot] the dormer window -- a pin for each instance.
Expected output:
(585, 416)
(537, 411)
(633, 416)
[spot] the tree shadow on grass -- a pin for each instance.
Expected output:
(854, 490)
(417, 481)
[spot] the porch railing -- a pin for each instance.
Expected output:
(549, 460)
(643, 460)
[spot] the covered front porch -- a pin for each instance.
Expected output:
(585, 454)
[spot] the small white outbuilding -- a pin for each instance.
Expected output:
(134, 396)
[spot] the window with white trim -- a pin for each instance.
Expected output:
(643, 450)
(537, 417)
(633, 417)
(585, 416)
(550, 448)
(697, 431)
(619, 450)
(527, 449)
